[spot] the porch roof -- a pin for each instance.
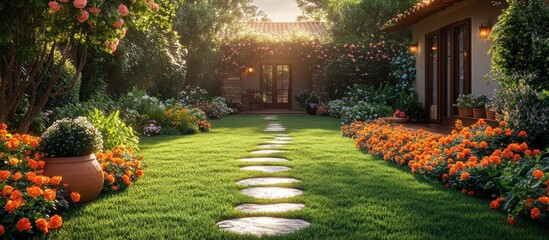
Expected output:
(313, 28)
(420, 11)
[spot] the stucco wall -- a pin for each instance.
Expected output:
(299, 79)
(479, 11)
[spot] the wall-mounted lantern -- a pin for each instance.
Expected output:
(413, 48)
(250, 69)
(484, 30)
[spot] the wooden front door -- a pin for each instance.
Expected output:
(276, 82)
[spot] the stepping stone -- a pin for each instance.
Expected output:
(275, 126)
(275, 130)
(267, 151)
(270, 117)
(283, 138)
(266, 181)
(282, 135)
(263, 159)
(263, 226)
(278, 142)
(269, 208)
(266, 169)
(270, 146)
(271, 192)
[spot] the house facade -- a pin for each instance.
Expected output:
(278, 77)
(452, 58)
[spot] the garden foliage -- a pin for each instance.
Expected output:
(479, 161)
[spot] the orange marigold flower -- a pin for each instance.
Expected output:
(538, 174)
(511, 220)
(4, 174)
(34, 191)
(528, 202)
(40, 180)
(114, 188)
(470, 193)
(483, 144)
(42, 224)
(139, 173)
(75, 197)
(7, 190)
(24, 225)
(2, 230)
(11, 205)
(33, 164)
(55, 180)
(129, 173)
(31, 176)
(464, 176)
(55, 221)
(535, 213)
(544, 200)
(522, 134)
(3, 126)
(503, 123)
(16, 195)
(17, 176)
(14, 161)
(494, 204)
(110, 178)
(49, 194)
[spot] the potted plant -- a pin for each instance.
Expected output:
(68, 146)
(465, 105)
(312, 104)
(489, 106)
(400, 117)
(235, 105)
(302, 96)
(479, 104)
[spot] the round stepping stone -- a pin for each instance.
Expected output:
(269, 208)
(266, 181)
(267, 151)
(271, 192)
(283, 138)
(270, 117)
(263, 226)
(275, 130)
(266, 169)
(263, 159)
(278, 142)
(270, 146)
(282, 135)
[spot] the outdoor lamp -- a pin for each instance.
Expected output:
(413, 48)
(250, 69)
(484, 30)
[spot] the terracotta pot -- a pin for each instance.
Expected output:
(479, 112)
(490, 114)
(311, 108)
(465, 112)
(83, 174)
(402, 120)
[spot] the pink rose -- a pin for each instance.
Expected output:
(94, 10)
(123, 10)
(84, 15)
(123, 32)
(79, 3)
(118, 23)
(54, 6)
(154, 6)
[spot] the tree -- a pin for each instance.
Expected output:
(33, 32)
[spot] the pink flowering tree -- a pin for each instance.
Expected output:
(37, 38)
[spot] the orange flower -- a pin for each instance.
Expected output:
(511, 220)
(24, 225)
(444, 177)
(14, 161)
(503, 123)
(2, 230)
(110, 178)
(49, 194)
(33, 164)
(470, 193)
(483, 144)
(75, 197)
(7, 190)
(55, 180)
(11, 205)
(16, 195)
(528, 202)
(17, 176)
(114, 188)
(4, 174)
(55, 221)
(494, 204)
(42, 224)
(34, 191)
(544, 200)
(522, 134)
(39, 180)
(139, 173)
(464, 176)
(535, 213)
(538, 174)
(31, 176)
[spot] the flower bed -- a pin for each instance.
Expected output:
(477, 160)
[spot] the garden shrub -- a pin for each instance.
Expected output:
(478, 160)
(180, 119)
(70, 138)
(403, 71)
(120, 167)
(364, 111)
(193, 96)
(335, 107)
(30, 202)
(113, 130)
(222, 105)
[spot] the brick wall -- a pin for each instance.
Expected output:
(232, 88)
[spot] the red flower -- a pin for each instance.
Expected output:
(75, 197)
(538, 174)
(79, 3)
(494, 204)
(2, 230)
(55, 221)
(83, 16)
(123, 10)
(535, 213)
(511, 220)
(522, 134)
(54, 6)
(23, 225)
(464, 176)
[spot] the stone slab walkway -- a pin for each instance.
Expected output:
(260, 226)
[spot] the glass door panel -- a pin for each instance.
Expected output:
(267, 76)
(432, 76)
(283, 83)
(276, 85)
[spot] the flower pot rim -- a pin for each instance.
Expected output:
(62, 160)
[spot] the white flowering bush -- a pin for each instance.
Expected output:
(223, 105)
(193, 96)
(365, 112)
(71, 137)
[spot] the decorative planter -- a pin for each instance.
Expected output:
(311, 108)
(83, 174)
(465, 112)
(490, 114)
(479, 112)
(402, 120)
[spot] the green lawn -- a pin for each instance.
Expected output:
(189, 185)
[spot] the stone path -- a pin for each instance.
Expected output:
(265, 226)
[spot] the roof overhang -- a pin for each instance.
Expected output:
(420, 11)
